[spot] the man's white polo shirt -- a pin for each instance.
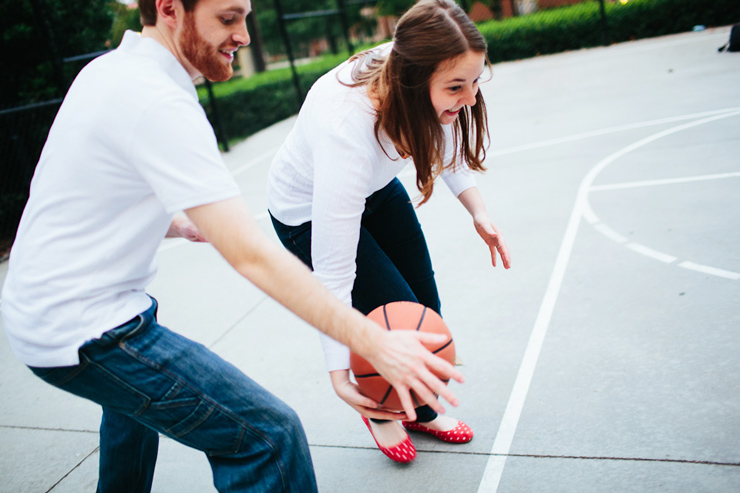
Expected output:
(129, 147)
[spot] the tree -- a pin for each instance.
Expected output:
(34, 32)
(124, 18)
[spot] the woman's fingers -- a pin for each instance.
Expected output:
(384, 415)
(495, 242)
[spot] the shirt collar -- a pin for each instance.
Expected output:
(132, 42)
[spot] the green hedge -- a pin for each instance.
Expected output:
(249, 105)
(581, 25)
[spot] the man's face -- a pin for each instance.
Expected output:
(211, 34)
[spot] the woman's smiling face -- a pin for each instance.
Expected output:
(455, 84)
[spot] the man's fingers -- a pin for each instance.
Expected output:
(435, 363)
(430, 387)
(426, 396)
(406, 402)
(427, 386)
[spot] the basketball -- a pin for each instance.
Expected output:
(400, 315)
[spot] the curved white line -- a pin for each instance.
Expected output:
(649, 252)
(592, 219)
(507, 429)
(710, 270)
(667, 181)
(609, 130)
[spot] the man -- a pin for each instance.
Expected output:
(129, 148)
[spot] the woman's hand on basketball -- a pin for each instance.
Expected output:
(407, 365)
(350, 393)
(493, 238)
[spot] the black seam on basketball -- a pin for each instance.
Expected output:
(385, 397)
(385, 315)
(421, 320)
(440, 349)
(413, 397)
(367, 375)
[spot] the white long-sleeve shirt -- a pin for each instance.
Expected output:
(328, 165)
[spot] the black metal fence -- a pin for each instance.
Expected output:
(22, 135)
(338, 14)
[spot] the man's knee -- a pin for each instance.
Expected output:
(291, 428)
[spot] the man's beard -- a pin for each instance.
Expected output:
(204, 57)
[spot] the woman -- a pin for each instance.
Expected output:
(335, 200)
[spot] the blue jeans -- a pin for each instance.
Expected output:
(150, 380)
(393, 262)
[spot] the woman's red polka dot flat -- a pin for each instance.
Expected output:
(461, 433)
(403, 453)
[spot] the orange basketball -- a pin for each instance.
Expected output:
(400, 315)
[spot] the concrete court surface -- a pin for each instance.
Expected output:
(607, 359)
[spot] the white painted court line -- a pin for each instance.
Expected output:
(649, 252)
(608, 130)
(667, 181)
(710, 270)
(507, 429)
(502, 444)
(588, 213)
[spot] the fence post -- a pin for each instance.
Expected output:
(289, 50)
(219, 127)
(345, 25)
(256, 43)
(604, 25)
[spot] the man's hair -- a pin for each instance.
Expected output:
(429, 34)
(148, 10)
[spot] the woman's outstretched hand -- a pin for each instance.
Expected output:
(472, 200)
(493, 238)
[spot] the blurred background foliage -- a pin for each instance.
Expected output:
(75, 27)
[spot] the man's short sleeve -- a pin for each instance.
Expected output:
(175, 150)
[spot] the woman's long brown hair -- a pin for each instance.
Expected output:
(428, 34)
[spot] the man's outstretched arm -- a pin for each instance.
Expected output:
(398, 356)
